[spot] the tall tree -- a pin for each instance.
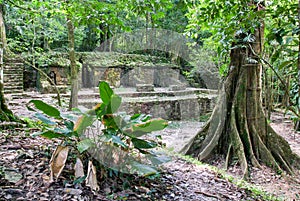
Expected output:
(5, 113)
(238, 126)
(74, 72)
(82, 13)
(281, 55)
(297, 126)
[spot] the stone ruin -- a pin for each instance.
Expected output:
(146, 86)
(156, 89)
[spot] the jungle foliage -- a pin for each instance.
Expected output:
(115, 139)
(221, 27)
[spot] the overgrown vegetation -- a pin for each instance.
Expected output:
(258, 35)
(116, 140)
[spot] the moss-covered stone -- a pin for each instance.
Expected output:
(114, 59)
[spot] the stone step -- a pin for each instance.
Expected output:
(11, 75)
(132, 93)
(17, 91)
(13, 72)
(13, 67)
(171, 108)
(12, 64)
(13, 90)
(11, 78)
(13, 87)
(13, 84)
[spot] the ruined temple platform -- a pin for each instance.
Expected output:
(185, 104)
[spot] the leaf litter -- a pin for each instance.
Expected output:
(29, 158)
(179, 180)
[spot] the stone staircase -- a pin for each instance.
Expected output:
(13, 76)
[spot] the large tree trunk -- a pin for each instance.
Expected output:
(238, 127)
(297, 125)
(5, 113)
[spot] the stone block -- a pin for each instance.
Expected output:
(177, 87)
(144, 87)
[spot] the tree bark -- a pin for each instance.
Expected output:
(297, 125)
(238, 127)
(74, 72)
(5, 113)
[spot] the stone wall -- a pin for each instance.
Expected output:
(188, 104)
(59, 75)
(174, 108)
(117, 69)
(130, 77)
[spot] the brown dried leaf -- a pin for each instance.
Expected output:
(58, 161)
(78, 167)
(91, 179)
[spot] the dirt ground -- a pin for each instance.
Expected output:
(26, 160)
(284, 186)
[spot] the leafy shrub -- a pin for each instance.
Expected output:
(118, 133)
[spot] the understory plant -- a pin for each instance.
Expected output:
(116, 140)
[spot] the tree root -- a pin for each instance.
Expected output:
(238, 127)
(229, 152)
(242, 140)
(238, 146)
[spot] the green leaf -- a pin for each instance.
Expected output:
(105, 92)
(70, 117)
(114, 104)
(157, 160)
(116, 139)
(285, 64)
(109, 122)
(69, 125)
(64, 131)
(79, 180)
(48, 134)
(84, 145)
(45, 108)
(143, 170)
(135, 116)
(150, 126)
(44, 119)
(143, 144)
(83, 122)
(138, 118)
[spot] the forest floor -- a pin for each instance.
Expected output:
(24, 173)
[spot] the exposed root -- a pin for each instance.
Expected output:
(238, 126)
(191, 147)
(250, 140)
(228, 157)
(238, 146)
(263, 153)
(217, 124)
(240, 115)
